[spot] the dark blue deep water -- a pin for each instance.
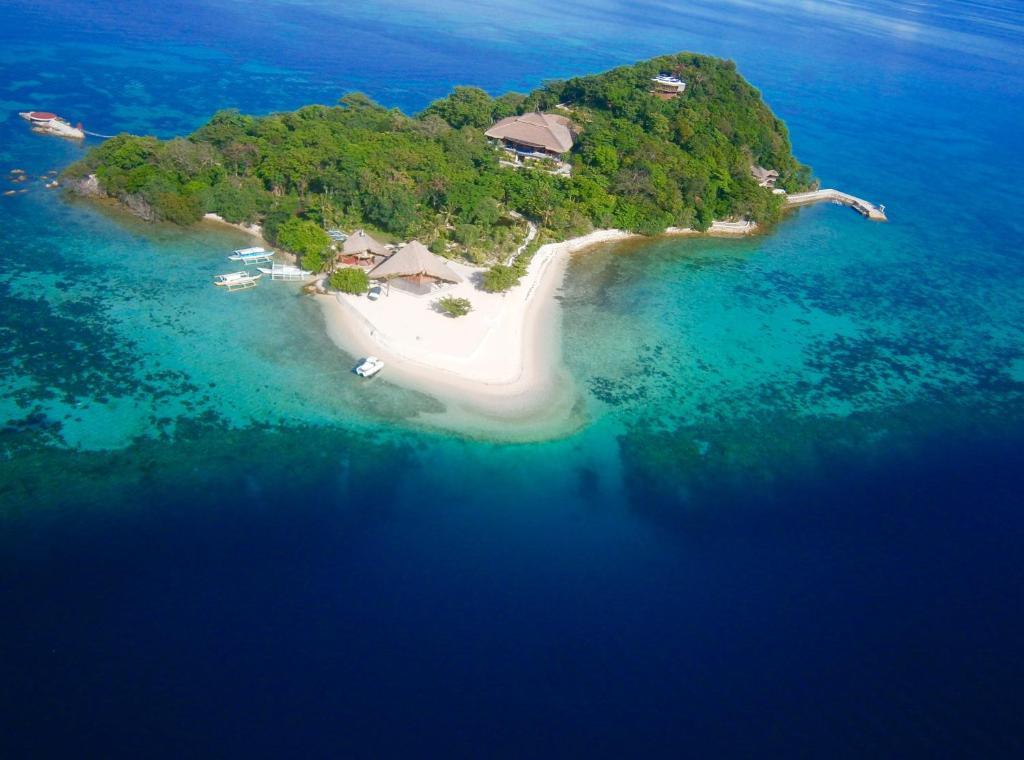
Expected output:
(796, 532)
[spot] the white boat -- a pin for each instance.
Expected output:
(251, 255)
(48, 123)
(370, 367)
(236, 280)
(285, 272)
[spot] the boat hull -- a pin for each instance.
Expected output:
(251, 259)
(370, 367)
(236, 280)
(285, 272)
(52, 126)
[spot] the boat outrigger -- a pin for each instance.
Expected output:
(251, 255)
(237, 280)
(370, 366)
(285, 272)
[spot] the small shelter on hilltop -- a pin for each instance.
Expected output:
(666, 86)
(415, 269)
(534, 134)
(360, 248)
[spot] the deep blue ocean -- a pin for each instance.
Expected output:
(785, 523)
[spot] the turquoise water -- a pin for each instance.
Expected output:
(788, 524)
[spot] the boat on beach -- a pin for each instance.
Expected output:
(45, 122)
(369, 367)
(287, 272)
(251, 255)
(236, 280)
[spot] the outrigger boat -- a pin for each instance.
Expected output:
(236, 280)
(251, 255)
(285, 272)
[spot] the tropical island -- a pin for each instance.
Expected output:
(632, 157)
(490, 192)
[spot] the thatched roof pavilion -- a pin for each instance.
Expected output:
(534, 132)
(416, 267)
(362, 246)
(764, 177)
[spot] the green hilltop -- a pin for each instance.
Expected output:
(639, 163)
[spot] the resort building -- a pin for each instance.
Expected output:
(362, 250)
(416, 270)
(666, 86)
(764, 177)
(534, 135)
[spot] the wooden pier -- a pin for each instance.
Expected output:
(861, 206)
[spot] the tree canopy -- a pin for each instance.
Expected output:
(350, 280)
(306, 239)
(639, 163)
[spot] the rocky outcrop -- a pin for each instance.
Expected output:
(139, 206)
(88, 187)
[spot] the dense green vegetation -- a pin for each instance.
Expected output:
(350, 280)
(501, 277)
(640, 163)
(305, 238)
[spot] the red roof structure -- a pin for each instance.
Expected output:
(42, 116)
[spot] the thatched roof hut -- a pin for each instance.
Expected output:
(764, 177)
(417, 266)
(363, 246)
(539, 131)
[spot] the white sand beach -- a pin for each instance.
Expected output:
(250, 229)
(501, 362)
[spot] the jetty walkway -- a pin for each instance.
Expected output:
(861, 206)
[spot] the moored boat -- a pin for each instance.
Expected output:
(237, 280)
(49, 123)
(251, 255)
(285, 272)
(369, 367)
